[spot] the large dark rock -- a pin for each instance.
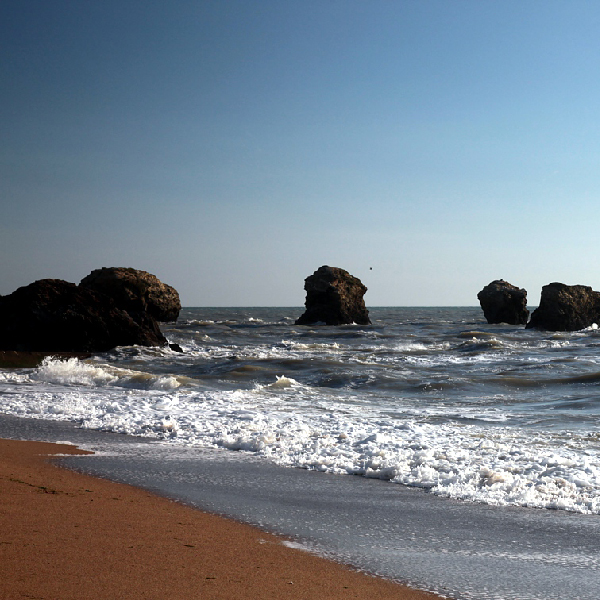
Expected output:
(503, 302)
(334, 297)
(137, 292)
(566, 308)
(58, 316)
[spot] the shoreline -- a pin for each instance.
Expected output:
(70, 535)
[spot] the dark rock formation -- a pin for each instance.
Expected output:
(334, 297)
(12, 359)
(137, 292)
(504, 303)
(54, 315)
(566, 308)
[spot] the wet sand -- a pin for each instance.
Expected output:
(64, 535)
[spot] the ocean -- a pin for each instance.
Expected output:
(487, 417)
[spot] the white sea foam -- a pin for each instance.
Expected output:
(410, 347)
(327, 347)
(73, 372)
(282, 382)
(14, 376)
(299, 426)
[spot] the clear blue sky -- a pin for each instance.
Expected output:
(233, 147)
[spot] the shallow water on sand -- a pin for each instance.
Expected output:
(463, 550)
(469, 551)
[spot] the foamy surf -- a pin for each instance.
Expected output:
(490, 465)
(496, 416)
(73, 372)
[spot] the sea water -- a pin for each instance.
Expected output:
(462, 435)
(427, 397)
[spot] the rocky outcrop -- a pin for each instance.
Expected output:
(55, 315)
(334, 297)
(137, 292)
(566, 308)
(503, 302)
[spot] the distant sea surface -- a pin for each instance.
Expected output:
(432, 398)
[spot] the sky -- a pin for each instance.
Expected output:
(232, 147)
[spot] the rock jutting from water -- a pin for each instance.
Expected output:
(52, 315)
(503, 302)
(334, 297)
(137, 292)
(566, 308)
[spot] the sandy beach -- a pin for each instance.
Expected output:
(65, 535)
